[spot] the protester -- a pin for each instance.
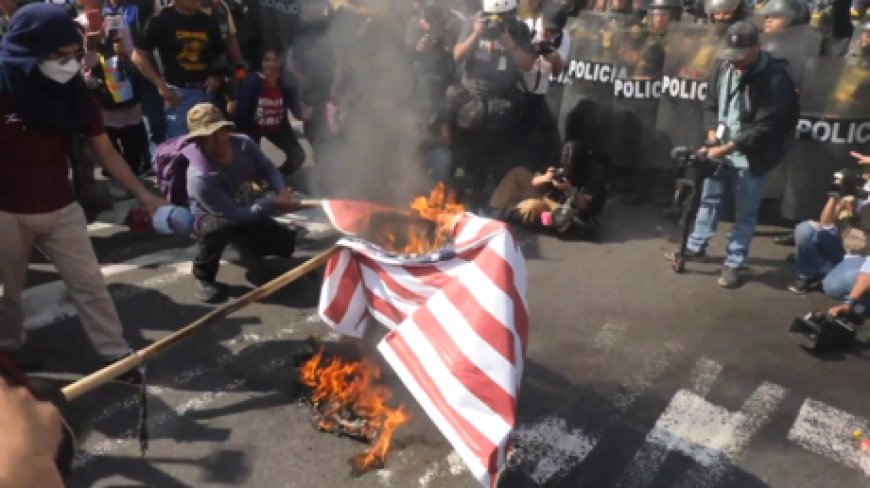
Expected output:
(220, 11)
(227, 183)
(39, 63)
(264, 99)
(192, 54)
(30, 441)
(750, 113)
(577, 188)
(429, 38)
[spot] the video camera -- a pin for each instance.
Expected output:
(696, 167)
(825, 332)
(559, 175)
(848, 183)
(690, 158)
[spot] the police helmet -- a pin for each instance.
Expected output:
(676, 5)
(783, 8)
(499, 6)
(714, 6)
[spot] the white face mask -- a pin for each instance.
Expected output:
(58, 72)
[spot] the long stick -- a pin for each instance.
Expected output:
(103, 376)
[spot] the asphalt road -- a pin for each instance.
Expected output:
(635, 376)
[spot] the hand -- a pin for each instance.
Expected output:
(479, 25)
(152, 202)
(506, 41)
(563, 186)
(718, 152)
(31, 437)
(584, 200)
(231, 106)
(862, 158)
(285, 202)
(212, 83)
(840, 309)
(169, 95)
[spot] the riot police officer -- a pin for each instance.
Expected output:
(862, 47)
(661, 13)
(723, 13)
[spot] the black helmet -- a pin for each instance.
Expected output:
(676, 5)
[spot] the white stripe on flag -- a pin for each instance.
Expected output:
(476, 350)
(377, 286)
(478, 470)
(503, 245)
(470, 230)
(466, 403)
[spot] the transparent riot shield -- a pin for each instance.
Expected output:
(637, 88)
(835, 120)
(796, 45)
(588, 90)
(690, 55)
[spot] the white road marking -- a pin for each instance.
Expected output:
(825, 430)
(452, 465)
(549, 448)
(703, 376)
(653, 367)
(709, 434)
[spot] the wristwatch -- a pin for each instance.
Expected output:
(855, 306)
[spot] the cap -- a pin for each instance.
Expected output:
(554, 17)
(740, 38)
(204, 119)
(170, 219)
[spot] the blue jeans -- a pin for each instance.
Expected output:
(818, 250)
(747, 191)
(839, 282)
(152, 109)
(176, 118)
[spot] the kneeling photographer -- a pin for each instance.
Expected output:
(827, 249)
(494, 49)
(567, 199)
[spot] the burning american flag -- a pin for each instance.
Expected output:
(458, 326)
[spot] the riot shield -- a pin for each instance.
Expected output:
(835, 120)
(690, 54)
(588, 91)
(795, 45)
(637, 88)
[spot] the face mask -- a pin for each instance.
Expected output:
(60, 73)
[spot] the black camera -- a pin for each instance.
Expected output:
(544, 48)
(494, 25)
(847, 183)
(825, 332)
(559, 175)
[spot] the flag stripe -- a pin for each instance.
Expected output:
(468, 373)
(489, 328)
(384, 307)
(348, 281)
(477, 443)
(391, 283)
(501, 273)
(375, 285)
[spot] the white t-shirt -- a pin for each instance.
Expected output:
(537, 80)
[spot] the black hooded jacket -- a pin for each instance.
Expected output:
(769, 111)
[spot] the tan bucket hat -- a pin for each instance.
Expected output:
(204, 119)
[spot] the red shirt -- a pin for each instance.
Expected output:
(34, 173)
(270, 112)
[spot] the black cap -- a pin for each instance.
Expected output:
(740, 38)
(555, 17)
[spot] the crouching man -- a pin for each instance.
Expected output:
(568, 198)
(234, 189)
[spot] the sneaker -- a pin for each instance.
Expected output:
(801, 286)
(210, 291)
(133, 377)
(730, 277)
(689, 256)
(784, 240)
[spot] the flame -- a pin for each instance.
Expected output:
(338, 387)
(439, 207)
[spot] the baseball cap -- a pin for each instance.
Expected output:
(740, 38)
(204, 119)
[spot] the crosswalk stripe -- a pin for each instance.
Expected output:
(828, 431)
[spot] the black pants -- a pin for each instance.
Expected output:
(537, 140)
(288, 143)
(261, 238)
(132, 142)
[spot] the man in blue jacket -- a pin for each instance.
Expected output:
(234, 189)
(750, 113)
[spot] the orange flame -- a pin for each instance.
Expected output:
(337, 386)
(440, 207)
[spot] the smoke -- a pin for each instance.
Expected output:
(375, 156)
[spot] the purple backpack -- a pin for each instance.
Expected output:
(171, 160)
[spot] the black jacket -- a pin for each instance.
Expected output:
(769, 111)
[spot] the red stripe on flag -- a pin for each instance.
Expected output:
(502, 274)
(489, 328)
(469, 374)
(384, 307)
(429, 275)
(460, 224)
(390, 282)
(476, 442)
(349, 280)
(489, 228)
(331, 264)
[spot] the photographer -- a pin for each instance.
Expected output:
(485, 109)
(855, 299)
(429, 38)
(750, 113)
(567, 198)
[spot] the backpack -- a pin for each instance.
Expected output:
(171, 159)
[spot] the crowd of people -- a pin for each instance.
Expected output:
(187, 91)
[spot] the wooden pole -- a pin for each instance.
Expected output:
(109, 373)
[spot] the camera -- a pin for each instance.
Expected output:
(690, 158)
(559, 175)
(847, 183)
(494, 25)
(825, 332)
